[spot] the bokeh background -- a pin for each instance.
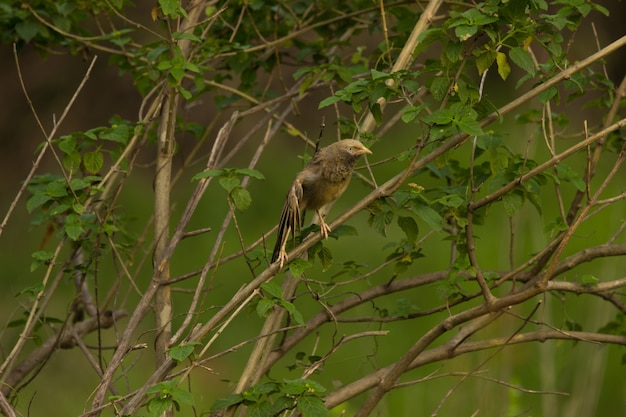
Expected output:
(593, 375)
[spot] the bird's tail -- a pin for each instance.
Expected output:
(290, 220)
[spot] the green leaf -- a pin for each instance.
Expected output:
(241, 197)
(589, 280)
(259, 409)
(326, 258)
(57, 188)
(172, 8)
(440, 117)
(159, 405)
(208, 173)
(27, 30)
(484, 61)
(328, 101)
(312, 407)
(504, 69)
(430, 216)
(229, 183)
(73, 227)
(272, 289)
(343, 230)
(37, 200)
(302, 386)
(77, 184)
(381, 220)
(226, 402)
(264, 306)
(566, 173)
(253, 173)
(439, 88)
(409, 227)
(471, 127)
(298, 266)
(522, 59)
(42, 255)
(93, 161)
(181, 352)
(293, 312)
(67, 144)
(451, 200)
(465, 32)
(117, 133)
(548, 94)
(513, 203)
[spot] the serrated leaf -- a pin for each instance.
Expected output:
(260, 409)
(272, 289)
(229, 183)
(380, 221)
(312, 407)
(439, 88)
(589, 280)
(378, 74)
(37, 200)
(241, 197)
(78, 184)
(27, 30)
(343, 230)
(157, 406)
(513, 203)
(67, 144)
(264, 307)
(430, 216)
(73, 227)
(250, 172)
(182, 396)
(484, 61)
(93, 161)
(326, 258)
(298, 266)
(118, 133)
(226, 402)
(522, 59)
(409, 227)
(181, 352)
(172, 8)
(471, 127)
(440, 117)
(504, 69)
(328, 101)
(293, 312)
(208, 173)
(548, 94)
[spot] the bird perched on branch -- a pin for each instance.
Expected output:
(316, 187)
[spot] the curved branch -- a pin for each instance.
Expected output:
(444, 352)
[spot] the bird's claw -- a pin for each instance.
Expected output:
(324, 229)
(282, 258)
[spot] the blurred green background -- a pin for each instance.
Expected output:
(593, 375)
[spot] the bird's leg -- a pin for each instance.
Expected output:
(282, 257)
(324, 228)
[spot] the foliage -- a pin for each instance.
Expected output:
(482, 183)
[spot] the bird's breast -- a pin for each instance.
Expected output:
(322, 192)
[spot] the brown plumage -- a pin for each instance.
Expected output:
(316, 187)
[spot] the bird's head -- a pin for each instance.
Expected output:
(352, 147)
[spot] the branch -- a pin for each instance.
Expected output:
(444, 352)
(63, 339)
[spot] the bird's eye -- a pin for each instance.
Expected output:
(350, 148)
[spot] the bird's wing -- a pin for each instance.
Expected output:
(290, 218)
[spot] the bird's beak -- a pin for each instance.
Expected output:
(365, 150)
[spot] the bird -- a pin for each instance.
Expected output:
(316, 187)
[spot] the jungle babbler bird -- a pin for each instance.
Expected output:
(316, 187)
